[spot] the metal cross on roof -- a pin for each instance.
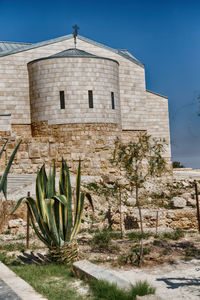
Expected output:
(76, 28)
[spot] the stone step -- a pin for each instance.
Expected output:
(92, 271)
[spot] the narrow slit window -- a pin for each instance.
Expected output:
(62, 99)
(90, 98)
(113, 100)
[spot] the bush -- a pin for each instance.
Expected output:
(137, 236)
(175, 235)
(102, 239)
(177, 164)
(106, 291)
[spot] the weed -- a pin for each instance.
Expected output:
(9, 259)
(115, 235)
(158, 243)
(106, 291)
(175, 235)
(191, 251)
(102, 240)
(7, 232)
(137, 236)
(122, 260)
(3, 257)
(166, 251)
(13, 247)
(133, 257)
(158, 195)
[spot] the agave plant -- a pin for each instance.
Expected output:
(3, 178)
(57, 225)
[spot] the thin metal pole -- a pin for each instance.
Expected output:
(120, 205)
(197, 203)
(27, 226)
(156, 223)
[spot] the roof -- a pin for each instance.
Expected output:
(10, 46)
(73, 52)
(157, 94)
(25, 47)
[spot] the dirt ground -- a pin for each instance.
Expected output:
(107, 248)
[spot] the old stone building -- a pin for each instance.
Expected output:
(74, 102)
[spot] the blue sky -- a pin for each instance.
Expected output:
(164, 35)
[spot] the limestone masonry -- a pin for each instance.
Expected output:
(74, 102)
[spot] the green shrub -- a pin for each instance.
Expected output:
(137, 236)
(102, 239)
(175, 235)
(106, 291)
(13, 247)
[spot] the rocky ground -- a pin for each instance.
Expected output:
(166, 206)
(171, 235)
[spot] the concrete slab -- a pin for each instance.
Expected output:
(13, 286)
(92, 271)
(148, 297)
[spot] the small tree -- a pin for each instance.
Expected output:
(109, 189)
(140, 160)
(177, 164)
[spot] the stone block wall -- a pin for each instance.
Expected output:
(158, 119)
(140, 111)
(75, 76)
(5, 122)
(14, 82)
(92, 143)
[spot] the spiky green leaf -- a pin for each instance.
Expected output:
(3, 148)
(3, 182)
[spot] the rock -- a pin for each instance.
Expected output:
(124, 209)
(178, 202)
(191, 202)
(186, 196)
(185, 183)
(131, 201)
(149, 199)
(16, 223)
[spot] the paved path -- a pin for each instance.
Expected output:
(179, 281)
(186, 174)
(6, 293)
(13, 287)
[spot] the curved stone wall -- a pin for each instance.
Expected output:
(75, 76)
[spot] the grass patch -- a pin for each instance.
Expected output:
(13, 247)
(9, 247)
(56, 282)
(103, 240)
(175, 235)
(106, 291)
(53, 281)
(137, 236)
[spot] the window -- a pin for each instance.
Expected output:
(62, 99)
(113, 100)
(90, 98)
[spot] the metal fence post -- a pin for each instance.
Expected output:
(27, 226)
(197, 203)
